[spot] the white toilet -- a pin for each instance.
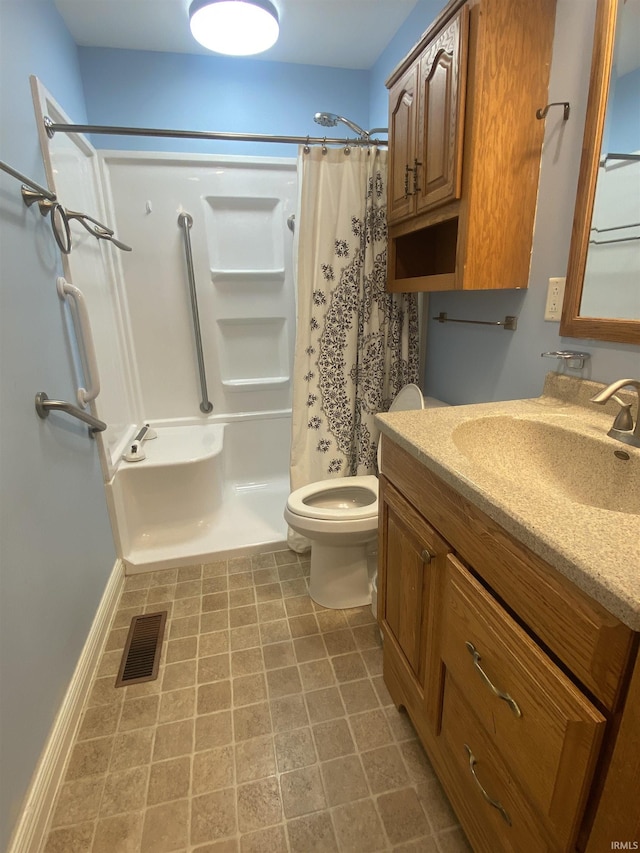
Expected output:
(340, 517)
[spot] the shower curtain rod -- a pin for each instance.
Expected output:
(52, 128)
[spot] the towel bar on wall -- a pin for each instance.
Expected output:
(510, 322)
(32, 184)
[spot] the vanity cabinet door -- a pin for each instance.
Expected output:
(544, 729)
(402, 129)
(437, 168)
(412, 557)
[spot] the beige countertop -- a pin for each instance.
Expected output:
(537, 496)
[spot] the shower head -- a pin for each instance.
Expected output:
(331, 120)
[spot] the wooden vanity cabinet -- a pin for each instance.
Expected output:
(465, 147)
(515, 680)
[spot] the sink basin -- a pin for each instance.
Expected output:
(551, 457)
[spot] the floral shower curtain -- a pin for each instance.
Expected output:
(356, 345)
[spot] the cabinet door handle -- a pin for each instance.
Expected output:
(416, 188)
(407, 169)
(427, 556)
(496, 692)
(495, 803)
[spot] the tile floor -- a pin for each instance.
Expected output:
(269, 728)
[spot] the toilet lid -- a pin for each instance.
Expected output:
(340, 498)
(408, 398)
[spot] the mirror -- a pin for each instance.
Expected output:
(602, 295)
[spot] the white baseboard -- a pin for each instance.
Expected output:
(28, 836)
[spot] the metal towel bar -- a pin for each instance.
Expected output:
(61, 216)
(185, 221)
(44, 405)
(510, 322)
(20, 177)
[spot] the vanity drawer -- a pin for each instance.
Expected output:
(545, 729)
(492, 809)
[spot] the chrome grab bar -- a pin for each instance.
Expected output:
(44, 405)
(83, 335)
(185, 221)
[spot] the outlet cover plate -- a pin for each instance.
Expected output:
(555, 298)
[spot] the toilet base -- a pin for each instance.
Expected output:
(339, 576)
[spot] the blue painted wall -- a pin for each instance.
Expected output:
(407, 36)
(467, 364)
(56, 546)
(170, 90)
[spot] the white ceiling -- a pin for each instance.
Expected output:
(338, 33)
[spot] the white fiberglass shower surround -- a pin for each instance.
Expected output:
(211, 484)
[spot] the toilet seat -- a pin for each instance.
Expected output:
(345, 490)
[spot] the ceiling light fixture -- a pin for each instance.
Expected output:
(234, 27)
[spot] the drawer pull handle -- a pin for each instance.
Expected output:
(495, 803)
(427, 556)
(499, 693)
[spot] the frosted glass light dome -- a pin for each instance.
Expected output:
(234, 27)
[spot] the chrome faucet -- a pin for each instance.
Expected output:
(622, 429)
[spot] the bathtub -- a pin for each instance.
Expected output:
(203, 492)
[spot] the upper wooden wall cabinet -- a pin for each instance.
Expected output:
(465, 146)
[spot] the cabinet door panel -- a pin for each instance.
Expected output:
(402, 130)
(406, 593)
(544, 728)
(438, 176)
(412, 552)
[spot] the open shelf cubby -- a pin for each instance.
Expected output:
(425, 259)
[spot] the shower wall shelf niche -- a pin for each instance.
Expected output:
(248, 279)
(465, 147)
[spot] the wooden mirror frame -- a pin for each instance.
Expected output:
(572, 324)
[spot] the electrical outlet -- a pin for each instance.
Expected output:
(555, 297)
